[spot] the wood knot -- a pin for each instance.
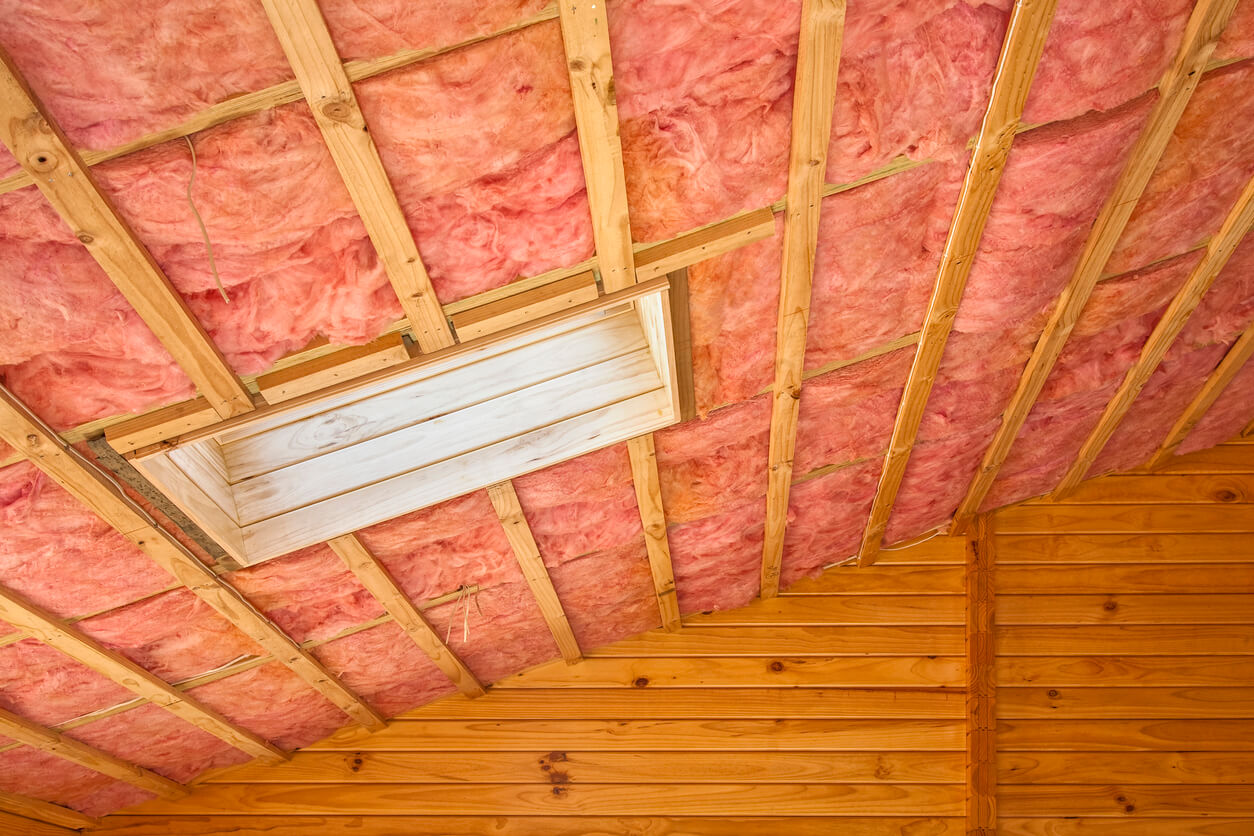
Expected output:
(777, 666)
(1052, 694)
(84, 237)
(339, 111)
(557, 757)
(1226, 496)
(43, 161)
(578, 65)
(641, 682)
(1110, 606)
(559, 792)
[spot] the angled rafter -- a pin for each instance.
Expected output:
(814, 99)
(653, 518)
(1016, 67)
(376, 579)
(66, 748)
(42, 149)
(50, 630)
(32, 808)
(505, 501)
(1174, 91)
(1235, 226)
(304, 36)
(27, 434)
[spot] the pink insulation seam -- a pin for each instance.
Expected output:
(826, 518)
(383, 666)
(1208, 161)
(44, 776)
(878, 253)
(497, 632)
(1054, 184)
(1106, 342)
(609, 595)
(582, 506)
(705, 104)
(718, 560)
(1074, 76)
(1227, 418)
(62, 557)
(373, 28)
(1225, 311)
(47, 687)
(481, 150)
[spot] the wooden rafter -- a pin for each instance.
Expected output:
(814, 99)
(30, 436)
(1016, 67)
(981, 684)
(33, 808)
(1235, 226)
(376, 579)
(42, 149)
(55, 633)
(305, 38)
(505, 501)
(1201, 34)
(66, 748)
(649, 499)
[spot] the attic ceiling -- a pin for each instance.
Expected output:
(1014, 232)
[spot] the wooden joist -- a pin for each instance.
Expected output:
(818, 59)
(9, 823)
(981, 756)
(43, 151)
(644, 475)
(1221, 246)
(305, 39)
(500, 314)
(27, 434)
(1174, 91)
(329, 369)
(45, 627)
(1016, 67)
(705, 242)
(505, 501)
(23, 807)
(66, 748)
(376, 579)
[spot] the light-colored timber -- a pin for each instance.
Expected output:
(648, 487)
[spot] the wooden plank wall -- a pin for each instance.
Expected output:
(835, 708)
(1125, 655)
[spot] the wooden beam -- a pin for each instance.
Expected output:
(681, 325)
(44, 152)
(376, 579)
(47, 628)
(814, 99)
(500, 314)
(1222, 244)
(305, 39)
(1174, 91)
(586, 37)
(41, 811)
(329, 369)
(505, 501)
(66, 748)
(1016, 67)
(705, 242)
(648, 485)
(11, 824)
(27, 434)
(981, 685)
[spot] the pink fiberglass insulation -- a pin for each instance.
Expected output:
(1098, 56)
(710, 465)
(61, 556)
(1238, 37)
(274, 703)
(878, 253)
(115, 70)
(581, 506)
(1053, 187)
(1207, 163)
(704, 97)
(45, 686)
(732, 306)
(374, 28)
(914, 80)
(383, 666)
(848, 414)
(47, 777)
(175, 635)
(436, 550)
(155, 739)
(481, 149)
(309, 594)
(718, 559)
(1227, 417)
(1106, 342)
(497, 632)
(826, 518)
(609, 595)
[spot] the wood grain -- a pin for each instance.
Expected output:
(1123, 703)
(1125, 735)
(1122, 671)
(1125, 609)
(648, 485)
(1126, 767)
(22, 807)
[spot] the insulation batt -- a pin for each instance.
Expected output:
(47, 777)
(1227, 418)
(1053, 187)
(1106, 341)
(1207, 162)
(718, 559)
(826, 518)
(507, 632)
(373, 28)
(609, 595)
(45, 686)
(383, 666)
(1238, 38)
(60, 556)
